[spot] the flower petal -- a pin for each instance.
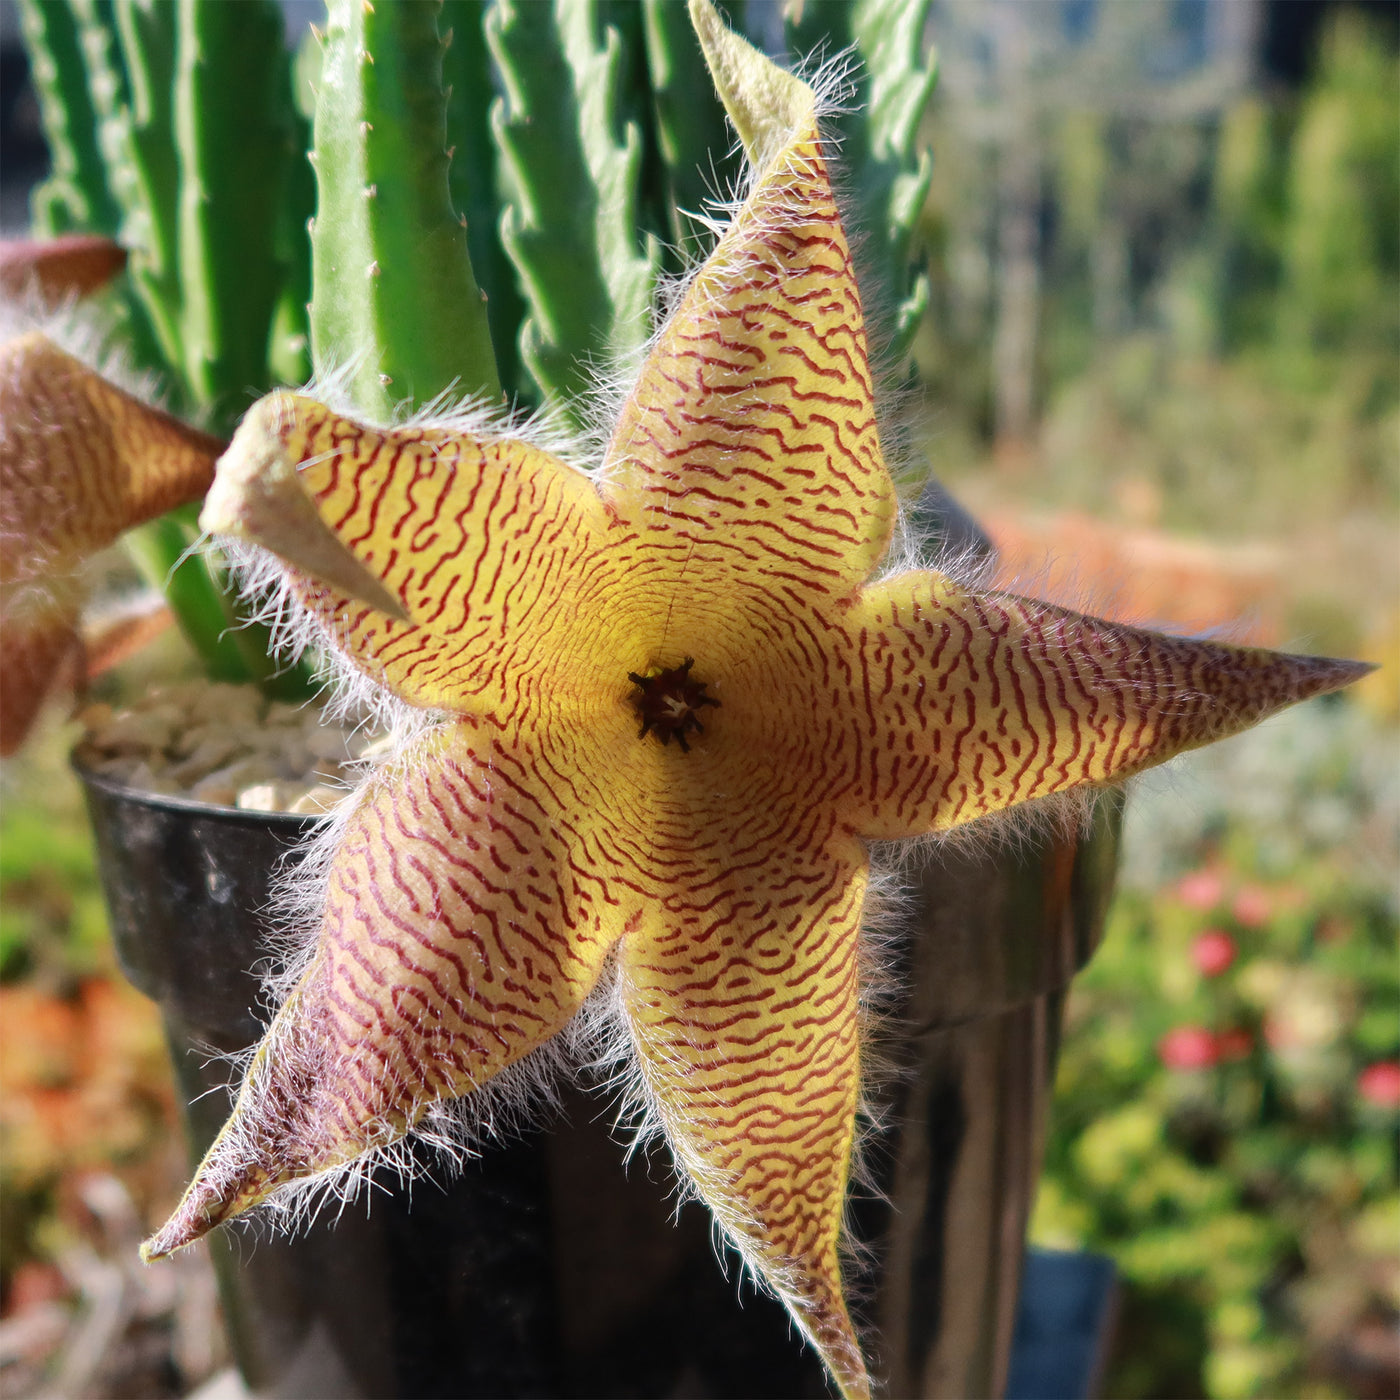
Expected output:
(37, 645)
(464, 926)
(485, 549)
(970, 703)
(749, 443)
(741, 990)
(80, 462)
(75, 264)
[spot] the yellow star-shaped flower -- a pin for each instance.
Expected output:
(715, 582)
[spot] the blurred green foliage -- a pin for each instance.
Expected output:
(51, 909)
(1212, 1128)
(1220, 297)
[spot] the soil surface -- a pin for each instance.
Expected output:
(230, 746)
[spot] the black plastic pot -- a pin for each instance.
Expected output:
(544, 1269)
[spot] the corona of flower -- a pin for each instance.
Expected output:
(716, 581)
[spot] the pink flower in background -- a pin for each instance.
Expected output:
(1234, 1044)
(1213, 952)
(1188, 1047)
(1252, 907)
(1379, 1084)
(1201, 889)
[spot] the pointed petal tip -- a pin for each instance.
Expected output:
(158, 1247)
(1321, 675)
(257, 497)
(200, 1210)
(230, 1181)
(766, 104)
(73, 264)
(38, 657)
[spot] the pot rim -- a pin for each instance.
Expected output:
(81, 760)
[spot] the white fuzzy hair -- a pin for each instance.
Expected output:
(84, 327)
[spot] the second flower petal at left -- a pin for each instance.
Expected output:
(81, 461)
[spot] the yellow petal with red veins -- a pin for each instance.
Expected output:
(469, 913)
(749, 444)
(443, 525)
(742, 990)
(969, 703)
(80, 462)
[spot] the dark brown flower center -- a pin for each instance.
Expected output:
(668, 703)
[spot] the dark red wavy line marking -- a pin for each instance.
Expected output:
(752, 428)
(1037, 649)
(1062, 707)
(375, 1032)
(740, 372)
(860, 458)
(471, 474)
(379, 478)
(795, 248)
(388, 916)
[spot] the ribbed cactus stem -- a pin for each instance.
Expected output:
(888, 171)
(204, 616)
(233, 159)
(76, 197)
(472, 177)
(289, 353)
(394, 294)
(107, 89)
(613, 150)
(902, 75)
(146, 32)
(701, 162)
(570, 221)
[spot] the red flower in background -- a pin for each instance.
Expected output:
(1213, 952)
(1201, 889)
(1234, 1044)
(1188, 1047)
(1379, 1084)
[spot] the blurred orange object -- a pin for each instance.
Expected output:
(83, 1079)
(1142, 576)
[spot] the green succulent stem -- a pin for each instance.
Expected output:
(77, 196)
(887, 170)
(700, 160)
(146, 146)
(571, 177)
(473, 178)
(146, 31)
(233, 163)
(161, 551)
(394, 297)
